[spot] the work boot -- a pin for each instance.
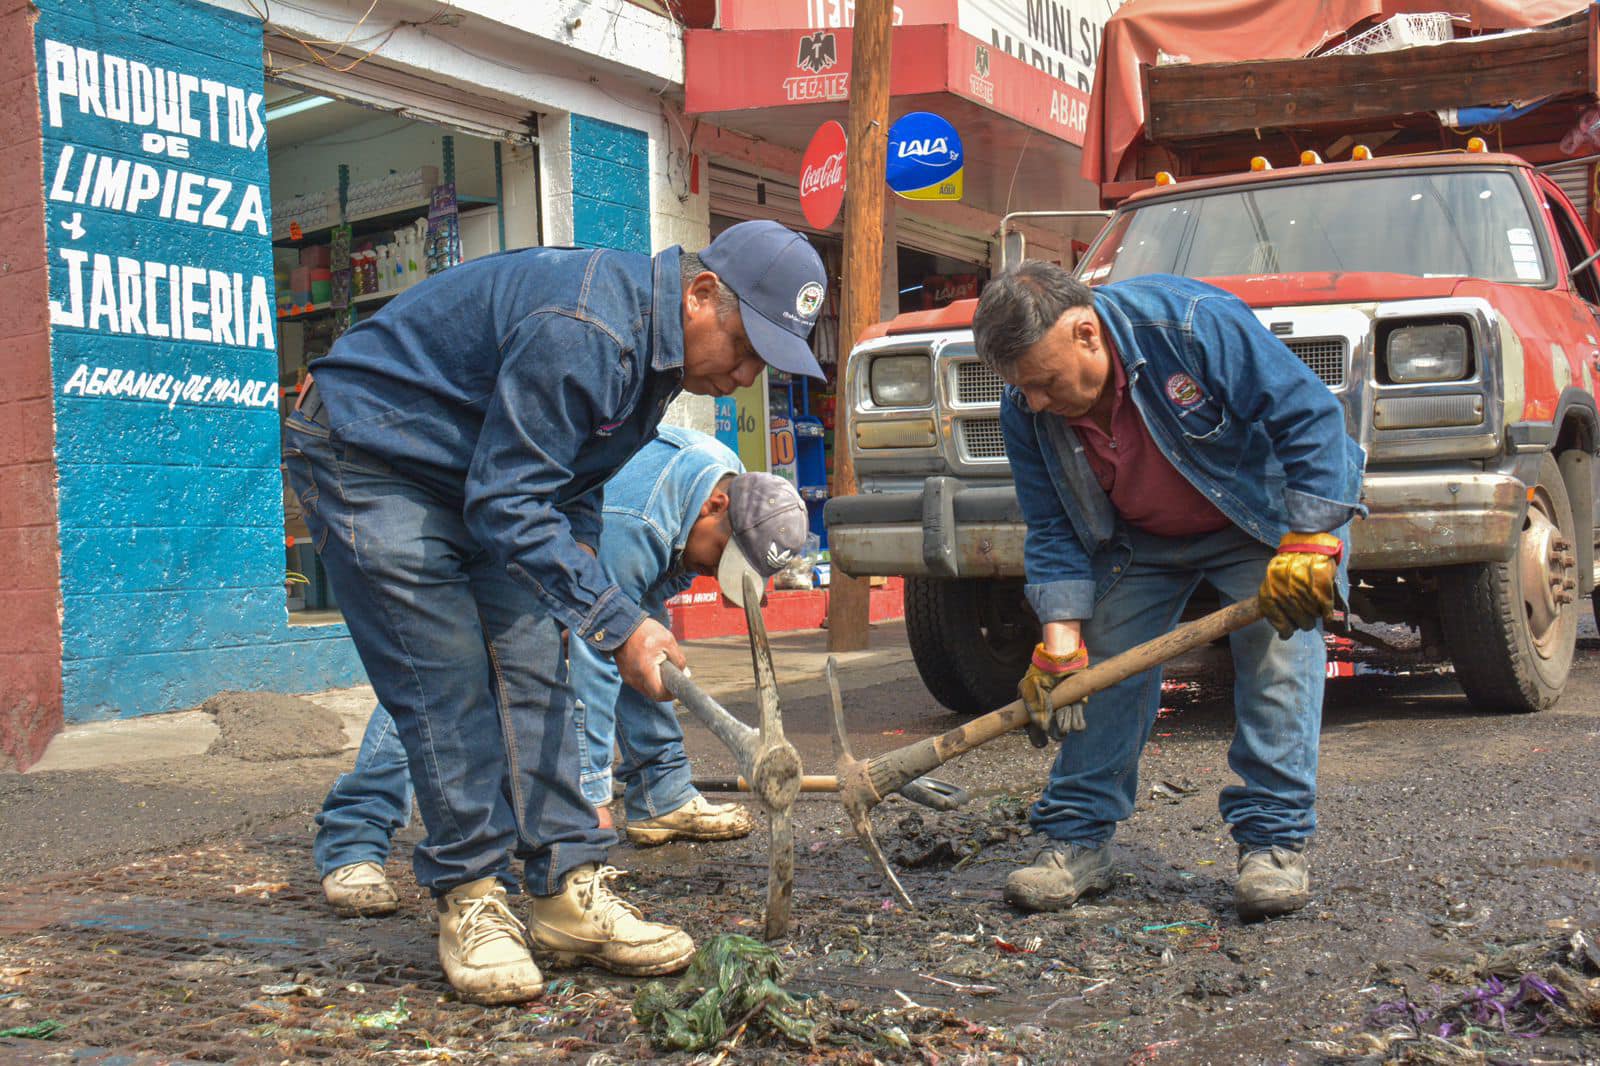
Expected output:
(360, 890)
(698, 819)
(587, 922)
(1059, 876)
(482, 946)
(1272, 881)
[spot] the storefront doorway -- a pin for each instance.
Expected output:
(366, 202)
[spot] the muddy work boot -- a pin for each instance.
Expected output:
(699, 819)
(360, 890)
(483, 948)
(1272, 881)
(1059, 876)
(587, 922)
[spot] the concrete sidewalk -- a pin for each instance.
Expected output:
(721, 666)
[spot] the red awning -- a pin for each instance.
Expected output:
(1021, 127)
(1217, 31)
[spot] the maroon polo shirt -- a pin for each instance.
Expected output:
(1146, 490)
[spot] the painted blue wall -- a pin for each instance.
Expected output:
(610, 186)
(171, 514)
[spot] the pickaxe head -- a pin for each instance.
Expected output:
(856, 791)
(765, 758)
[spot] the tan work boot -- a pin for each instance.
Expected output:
(699, 819)
(360, 890)
(587, 922)
(1059, 876)
(1272, 881)
(483, 948)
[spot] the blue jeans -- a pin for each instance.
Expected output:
(654, 767)
(1277, 701)
(467, 660)
(368, 805)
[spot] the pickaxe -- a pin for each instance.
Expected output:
(765, 759)
(928, 791)
(863, 783)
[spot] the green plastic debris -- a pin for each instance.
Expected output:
(37, 1031)
(384, 1019)
(732, 981)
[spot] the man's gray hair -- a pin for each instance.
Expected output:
(1019, 307)
(691, 267)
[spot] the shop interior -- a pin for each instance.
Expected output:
(365, 203)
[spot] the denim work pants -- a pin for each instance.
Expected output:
(654, 767)
(465, 658)
(1277, 701)
(368, 805)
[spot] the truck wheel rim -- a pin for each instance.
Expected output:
(1544, 563)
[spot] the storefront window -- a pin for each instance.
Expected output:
(366, 204)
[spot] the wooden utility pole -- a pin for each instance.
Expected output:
(867, 130)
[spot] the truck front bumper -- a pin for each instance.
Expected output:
(951, 529)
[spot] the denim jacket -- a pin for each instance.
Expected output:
(650, 507)
(1249, 424)
(513, 386)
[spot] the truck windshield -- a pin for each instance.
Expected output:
(1430, 224)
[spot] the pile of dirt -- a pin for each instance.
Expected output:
(268, 726)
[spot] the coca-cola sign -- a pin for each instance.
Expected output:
(822, 176)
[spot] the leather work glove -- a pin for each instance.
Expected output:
(1298, 588)
(1046, 671)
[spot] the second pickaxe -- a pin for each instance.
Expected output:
(764, 757)
(929, 791)
(863, 783)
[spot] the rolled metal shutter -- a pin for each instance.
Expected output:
(1574, 179)
(407, 93)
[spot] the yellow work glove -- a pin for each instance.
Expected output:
(1298, 589)
(1046, 723)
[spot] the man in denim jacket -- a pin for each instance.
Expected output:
(449, 457)
(1160, 436)
(678, 508)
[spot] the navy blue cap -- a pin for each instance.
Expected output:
(780, 283)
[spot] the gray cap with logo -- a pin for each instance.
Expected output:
(770, 527)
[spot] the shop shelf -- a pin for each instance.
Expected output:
(306, 311)
(378, 221)
(366, 299)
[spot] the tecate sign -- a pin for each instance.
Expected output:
(822, 176)
(816, 54)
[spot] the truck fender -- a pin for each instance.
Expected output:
(1577, 436)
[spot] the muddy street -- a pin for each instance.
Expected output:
(1454, 877)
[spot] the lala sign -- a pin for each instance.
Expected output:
(822, 176)
(925, 160)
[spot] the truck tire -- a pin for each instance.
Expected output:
(1511, 628)
(971, 640)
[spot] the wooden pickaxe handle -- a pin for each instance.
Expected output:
(808, 783)
(889, 771)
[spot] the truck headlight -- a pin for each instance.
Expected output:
(902, 381)
(1438, 351)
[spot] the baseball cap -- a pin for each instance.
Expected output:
(769, 531)
(780, 283)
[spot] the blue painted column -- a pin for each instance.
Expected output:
(610, 186)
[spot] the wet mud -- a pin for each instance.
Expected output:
(1455, 917)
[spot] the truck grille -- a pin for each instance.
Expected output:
(976, 383)
(1324, 355)
(980, 438)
